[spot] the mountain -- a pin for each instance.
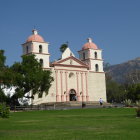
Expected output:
(118, 72)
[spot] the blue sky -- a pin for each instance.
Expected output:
(114, 26)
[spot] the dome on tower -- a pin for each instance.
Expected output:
(35, 37)
(89, 45)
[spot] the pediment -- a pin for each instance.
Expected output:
(70, 61)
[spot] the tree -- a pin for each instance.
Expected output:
(115, 91)
(63, 47)
(5, 77)
(2, 59)
(132, 85)
(133, 92)
(29, 76)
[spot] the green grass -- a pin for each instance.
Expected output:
(77, 124)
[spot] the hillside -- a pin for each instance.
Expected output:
(118, 72)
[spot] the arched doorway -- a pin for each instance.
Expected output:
(72, 95)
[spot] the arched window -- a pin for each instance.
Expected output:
(84, 56)
(40, 48)
(27, 49)
(95, 54)
(96, 67)
(41, 62)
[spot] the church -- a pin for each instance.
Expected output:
(75, 79)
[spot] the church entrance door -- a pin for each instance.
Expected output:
(72, 95)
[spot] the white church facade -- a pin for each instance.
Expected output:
(75, 79)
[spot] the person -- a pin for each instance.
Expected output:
(101, 101)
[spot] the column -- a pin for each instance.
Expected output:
(62, 94)
(87, 97)
(82, 86)
(89, 60)
(32, 48)
(88, 53)
(67, 94)
(56, 77)
(78, 96)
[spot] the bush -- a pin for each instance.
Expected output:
(4, 111)
(138, 111)
(138, 103)
(128, 102)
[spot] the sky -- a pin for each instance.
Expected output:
(114, 26)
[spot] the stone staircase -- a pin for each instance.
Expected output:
(75, 104)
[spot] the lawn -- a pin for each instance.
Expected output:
(76, 124)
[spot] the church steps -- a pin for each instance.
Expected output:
(74, 103)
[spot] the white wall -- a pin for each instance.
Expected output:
(67, 53)
(36, 47)
(100, 65)
(92, 54)
(96, 86)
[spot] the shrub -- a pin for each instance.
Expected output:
(138, 103)
(127, 102)
(4, 111)
(138, 111)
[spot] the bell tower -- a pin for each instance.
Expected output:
(92, 56)
(36, 45)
